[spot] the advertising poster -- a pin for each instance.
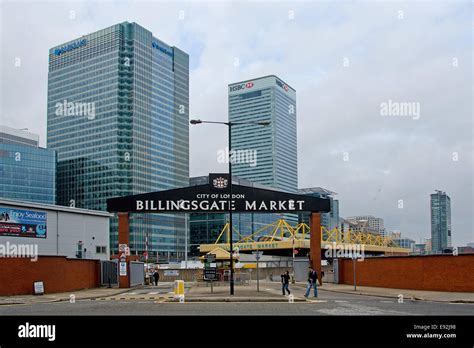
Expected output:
(22, 223)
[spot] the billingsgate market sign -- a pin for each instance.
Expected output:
(214, 198)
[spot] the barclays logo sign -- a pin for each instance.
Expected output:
(70, 47)
(155, 44)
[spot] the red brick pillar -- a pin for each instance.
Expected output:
(315, 243)
(124, 238)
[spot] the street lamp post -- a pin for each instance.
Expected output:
(230, 124)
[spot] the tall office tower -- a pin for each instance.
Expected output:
(118, 117)
(265, 99)
(27, 171)
(265, 155)
(440, 221)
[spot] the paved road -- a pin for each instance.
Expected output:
(328, 303)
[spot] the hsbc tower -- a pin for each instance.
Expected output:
(265, 98)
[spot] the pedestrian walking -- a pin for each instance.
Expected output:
(285, 281)
(312, 282)
(156, 277)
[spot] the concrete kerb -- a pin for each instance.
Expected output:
(236, 299)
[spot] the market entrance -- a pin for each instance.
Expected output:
(214, 197)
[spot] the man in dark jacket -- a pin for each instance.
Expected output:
(285, 281)
(156, 277)
(312, 282)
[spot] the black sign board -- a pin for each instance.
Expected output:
(210, 274)
(214, 198)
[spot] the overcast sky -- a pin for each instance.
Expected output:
(343, 59)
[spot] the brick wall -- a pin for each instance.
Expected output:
(58, 274)
(436, 272)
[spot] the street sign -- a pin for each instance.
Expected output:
(127, 251)
(210, 274)
(172, 273)
(257, 254)
(122, 247)
(39, 288)
(210, 258)
(123, 268)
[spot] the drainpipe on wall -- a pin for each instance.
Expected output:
(57, 233)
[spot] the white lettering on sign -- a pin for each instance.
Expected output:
(218, 205)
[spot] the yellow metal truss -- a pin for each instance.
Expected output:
(280, 230)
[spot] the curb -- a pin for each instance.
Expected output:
(236, 300)
(394, 297)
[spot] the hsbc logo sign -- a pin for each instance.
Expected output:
(241, 86)
(282, 85)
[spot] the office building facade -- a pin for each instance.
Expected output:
(440, 221)
(329, 220)
(405, 243)
(205, 228)
(368, 223)
(27, 172)
(13, 136)
(118, 115)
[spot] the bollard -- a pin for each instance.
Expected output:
(291, 298)
(179, 289)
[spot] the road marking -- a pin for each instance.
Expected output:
(340, 301)
(386, 301)
(154, 293)
(318, 301)
(134, 293)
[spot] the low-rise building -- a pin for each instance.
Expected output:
(53, 230)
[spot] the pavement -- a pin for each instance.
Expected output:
(63, 296)
(151, 300)
(423, 295)
(269, 292)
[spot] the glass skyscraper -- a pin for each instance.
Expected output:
(440, 222)
(272, 149)
(329, 220)
(118, 117)
(27, 172)
(265, 99)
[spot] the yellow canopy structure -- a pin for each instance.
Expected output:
(221, 254)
